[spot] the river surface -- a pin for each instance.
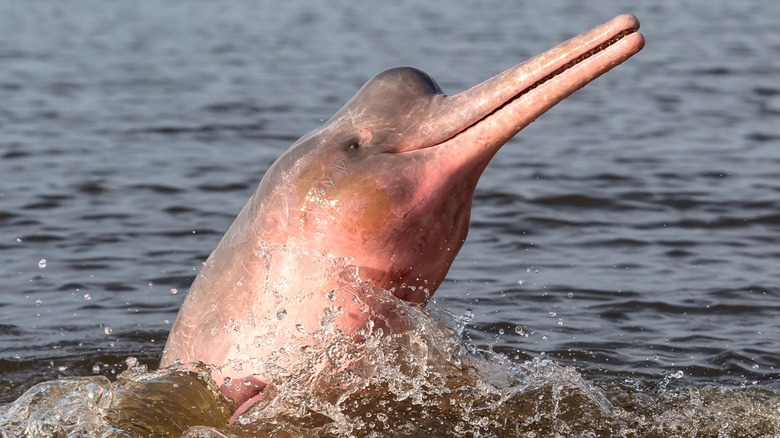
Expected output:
(630, 236)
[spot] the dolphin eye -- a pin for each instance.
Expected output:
(353, 146)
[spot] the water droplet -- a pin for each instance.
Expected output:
(62, 368)
(678, 375)
(87, 296)
(38, 302)
(96, 368)
(246, 382)
(336, 353)
(520, 330)
(42, 263)
(108, 330)
(280, 315)
(570, 294)
(131, 362)
(150, 284)
(228, 381)
(553, 314)
(174, 291)
(755, 366)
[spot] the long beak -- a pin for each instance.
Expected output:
(497, 109)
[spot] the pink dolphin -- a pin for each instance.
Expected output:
(387, 183)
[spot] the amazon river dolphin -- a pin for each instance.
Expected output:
(386, 184)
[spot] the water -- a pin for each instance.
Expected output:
(627, 240)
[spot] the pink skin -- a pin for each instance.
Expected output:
(388, 182)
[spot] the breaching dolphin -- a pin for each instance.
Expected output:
(386, 183)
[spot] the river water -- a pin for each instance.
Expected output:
(627, 240)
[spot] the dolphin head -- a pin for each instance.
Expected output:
(389, 179)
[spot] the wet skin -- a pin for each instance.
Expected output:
(387, 182)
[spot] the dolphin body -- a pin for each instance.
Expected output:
(387, 184)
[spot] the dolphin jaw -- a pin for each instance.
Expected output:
(531, 76)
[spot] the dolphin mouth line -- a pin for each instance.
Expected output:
(600, 48)
(561, 70)
(584, 53)
(523, 79)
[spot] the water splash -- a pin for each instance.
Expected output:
(422, 380)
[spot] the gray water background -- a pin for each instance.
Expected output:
(632, 232)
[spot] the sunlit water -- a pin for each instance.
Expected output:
(620, 278)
